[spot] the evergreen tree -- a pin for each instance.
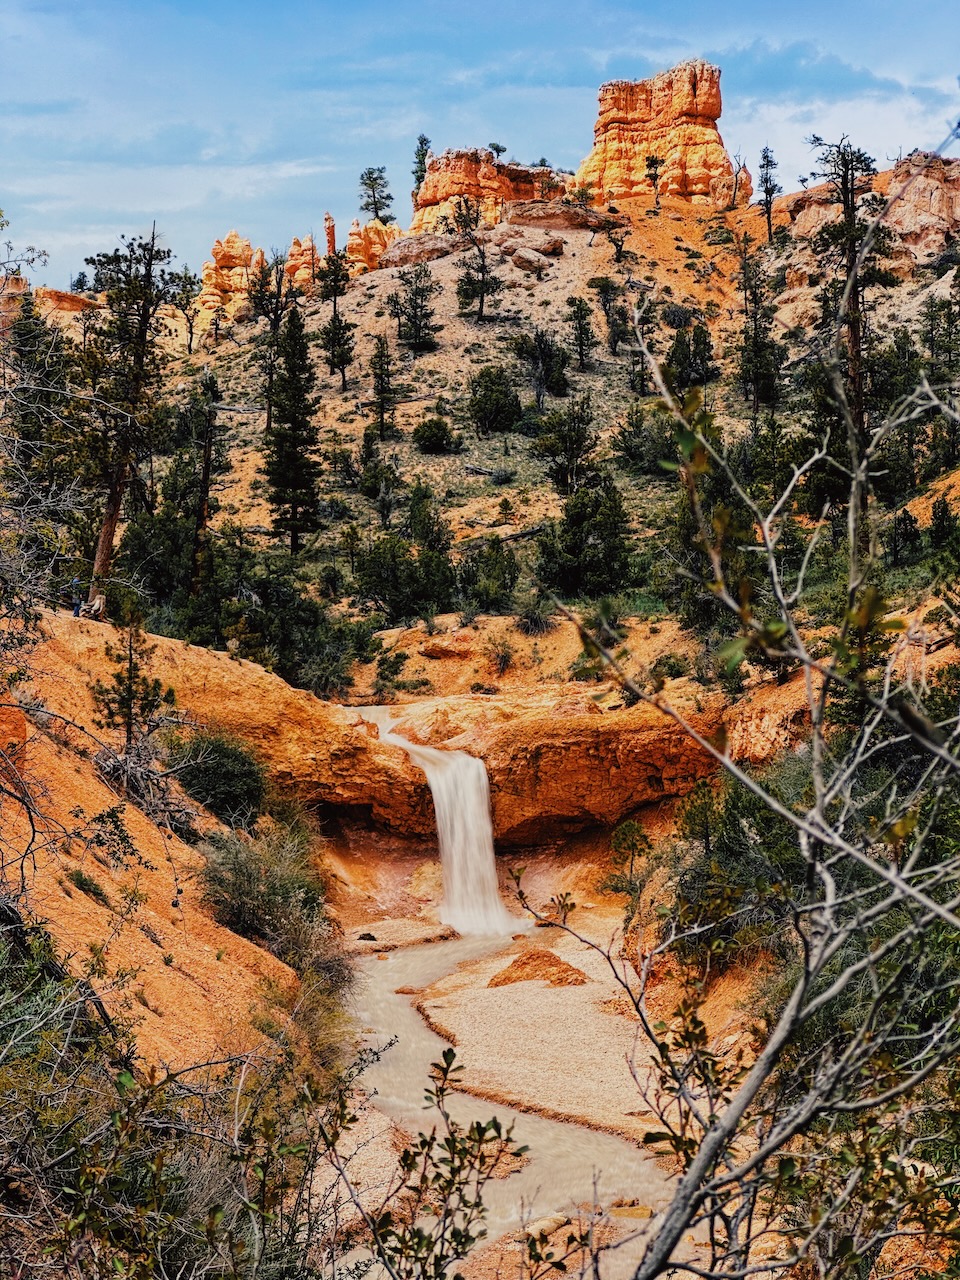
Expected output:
(478, 281)
(122, 363)
(169, 552)
(420, 161)
(653, 166)
(271, 295)
(410, 305)
(291, 467)
(585, 552)
(375, 194)
(384, 392)
(581, 327)
(547, 361)
(333, 277)
(769, 187)
(185, 289)
(43, 412)
(567, 442)
(336, 339)
(493, 404)
(760, 356)
(133, 699)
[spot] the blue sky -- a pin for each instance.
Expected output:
(208, 115)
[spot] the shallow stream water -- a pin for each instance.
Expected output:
(568, 1164)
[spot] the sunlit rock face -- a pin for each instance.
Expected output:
(674, 116)
(226, 280)
(475, 174)
(367, 244)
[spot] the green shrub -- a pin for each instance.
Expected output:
(221, 773)
(86, 884)
(535, 616)
(433, 435)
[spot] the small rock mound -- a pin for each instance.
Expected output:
(539, 964)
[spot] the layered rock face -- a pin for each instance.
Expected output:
(367, 244)
(475, 174)
(673, 116)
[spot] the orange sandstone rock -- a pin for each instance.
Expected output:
(673, 116)
(925, 211)
(226, 280)
(301, 265)
(12, 291)
(59, 302)
(330, 231)
(366, 245)
(475, 174)
(541, 965)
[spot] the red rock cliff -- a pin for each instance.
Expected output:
(476, 175)
(673, 116)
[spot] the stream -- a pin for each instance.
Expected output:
(564, 1159)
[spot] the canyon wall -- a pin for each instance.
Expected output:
(673, 116)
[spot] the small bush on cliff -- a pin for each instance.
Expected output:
(221, 773)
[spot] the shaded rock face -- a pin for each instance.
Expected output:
(367, 244)
(673, 116)
(475, 174)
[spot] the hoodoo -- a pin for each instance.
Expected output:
(674, 116)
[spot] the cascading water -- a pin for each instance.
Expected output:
(461, 798)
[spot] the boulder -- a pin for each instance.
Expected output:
(559, 215)
(409, 250)
(530, 261)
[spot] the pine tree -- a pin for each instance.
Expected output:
(411, 306)
(654, 164)
(384, 394)
(333, 277)
(291, 467)
(271, 295)
(123, 360)
(376, 198)
(584, 338)
(420, 161)
(478, 281)
(769, 187)
(336, 338)
(133, 699)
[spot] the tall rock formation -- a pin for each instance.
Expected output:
(367, 244)
(475, 174)
(673, 116)
(302, 263)
(226, 280)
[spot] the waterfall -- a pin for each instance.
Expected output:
(461, 798)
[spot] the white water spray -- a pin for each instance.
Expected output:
(461, 798)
